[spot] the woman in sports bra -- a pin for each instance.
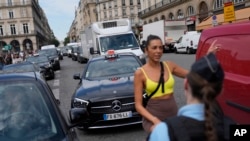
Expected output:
(162, 104)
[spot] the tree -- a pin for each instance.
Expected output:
(66, 40)
(55, 42)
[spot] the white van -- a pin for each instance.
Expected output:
(188, 42)
(47, 47)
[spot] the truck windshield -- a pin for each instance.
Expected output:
(117, 42)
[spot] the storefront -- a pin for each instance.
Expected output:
(190, 22)
(240, 15)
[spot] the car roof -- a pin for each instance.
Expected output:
(221, 30)
(100, 57)
(18, 74)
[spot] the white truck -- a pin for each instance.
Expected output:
(168, 31)
(99, 37)
(188, 42)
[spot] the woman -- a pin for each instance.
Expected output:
(162, 104)
(202, 85)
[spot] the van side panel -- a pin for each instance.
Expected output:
(234, 56)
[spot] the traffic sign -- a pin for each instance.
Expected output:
(229, 14)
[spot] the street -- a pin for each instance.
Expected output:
(64, 85)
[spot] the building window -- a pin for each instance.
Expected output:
(149, 3)
(138, 2)
(123, 3)
(132, 21)
(171, 16)
(104, 6)
(218, 4)
(131, 11)
(0, 14)
(105, 14)
(13, 29)
(124, 11)
(180, 14)
(110, 14)
(116, 12)
(25, 28)
(131, 2)
(110, 4)
(190, 11)
(9, 2)
(238, 1)
(11, 14)
(115, 3)
(23, 2)
(23, 12)
(1, 30)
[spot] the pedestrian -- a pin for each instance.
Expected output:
(197, 120)
(158, 82)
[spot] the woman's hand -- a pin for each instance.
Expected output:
(155, 122)
(213, 47)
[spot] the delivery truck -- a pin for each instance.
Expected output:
(99, 37)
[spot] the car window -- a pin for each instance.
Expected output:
(26, 113)
(48, 52)
(38, 59)
(105, 68)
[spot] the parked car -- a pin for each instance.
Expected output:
(187, 43)
(44, 63)
(24, 67)
(235, 60)
(106, 91)
(74, 52)
(29, 110)
(52, 53)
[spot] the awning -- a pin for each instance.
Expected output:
(240, 15)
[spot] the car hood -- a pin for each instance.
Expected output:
(40, 64)
(95, 90)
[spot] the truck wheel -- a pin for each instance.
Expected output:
(188, 51)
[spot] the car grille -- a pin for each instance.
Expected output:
(127, 104)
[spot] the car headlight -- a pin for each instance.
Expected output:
(56, 58)
(75, 54)
(79, 103)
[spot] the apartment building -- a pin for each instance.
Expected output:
(23, 25)
(192, 11)
(102, 10)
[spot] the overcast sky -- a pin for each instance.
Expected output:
(60, 14)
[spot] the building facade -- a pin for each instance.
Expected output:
(192, 11)
(102, 10)
(23, 25)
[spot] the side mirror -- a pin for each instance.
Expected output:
(91, 51)
(76, 76)
(76, 115)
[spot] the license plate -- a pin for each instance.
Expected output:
(115, 116)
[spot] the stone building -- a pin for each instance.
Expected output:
(23, 25)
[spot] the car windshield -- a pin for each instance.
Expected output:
(117, 42)
(48, 52)
(26, 113)
(105, 68)
(38, 59)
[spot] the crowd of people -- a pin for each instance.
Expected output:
(11, 57)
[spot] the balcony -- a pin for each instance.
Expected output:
(158, 7)
(14, 4)
(19, 34)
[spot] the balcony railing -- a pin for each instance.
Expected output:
(12, 4)
(19, 33)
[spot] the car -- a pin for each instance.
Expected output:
(106, 91)
(187, 43)
(53, 55)
(74, 52)
(44, 63)
(24, 66)
(29, 110)
(235, 59)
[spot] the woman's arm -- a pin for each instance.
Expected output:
(177, 70)
(138, 91)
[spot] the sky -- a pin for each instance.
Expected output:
(60, 15)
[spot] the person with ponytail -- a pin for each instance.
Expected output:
(198, 119)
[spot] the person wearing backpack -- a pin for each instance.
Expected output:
(201, 119)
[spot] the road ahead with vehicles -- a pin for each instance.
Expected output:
(63, 87)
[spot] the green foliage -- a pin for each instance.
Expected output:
(66, 40)
(55, 42)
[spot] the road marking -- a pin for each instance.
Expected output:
(56, 93)
(56, 82)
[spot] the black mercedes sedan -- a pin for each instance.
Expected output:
(30, 112)
(106, 91)
(44, 63)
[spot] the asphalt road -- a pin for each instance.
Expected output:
(64, 85)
